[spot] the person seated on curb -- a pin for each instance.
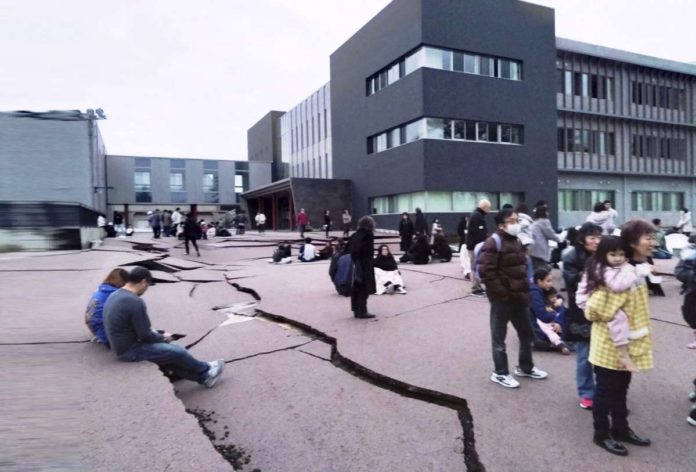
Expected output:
(548, 313)
(132, 338)
(94, 315)
(387, 276)
(283, 254)
(419, 252)
(327, 251)
(441, 248)
(308, 252)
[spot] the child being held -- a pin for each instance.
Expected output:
(609, 268)
(548, 310)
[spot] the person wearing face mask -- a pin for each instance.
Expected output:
(542, 233)
(503, 270)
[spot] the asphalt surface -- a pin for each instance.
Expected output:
(307, 387)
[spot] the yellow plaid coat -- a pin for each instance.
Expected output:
(601, 307)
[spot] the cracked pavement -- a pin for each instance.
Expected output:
(307, 387)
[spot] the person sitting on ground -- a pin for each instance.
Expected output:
(308, 252)
(548, 313)
(282, 254)
(419, 252)
(441, 248)
(387, 276)
(327, 251)
(130, 230)
(132, 338)
(94, 315)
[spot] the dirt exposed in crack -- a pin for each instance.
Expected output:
(208, 422)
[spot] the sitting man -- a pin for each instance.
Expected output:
(308, 252)
(132, 338)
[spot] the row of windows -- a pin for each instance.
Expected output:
(445, 59)
(305, 135)
(441, 201)
(658, 95)
(439, 128)
(585, 200)
(316, 167)
(653, 146)
(587, 141)
(585, 85)
(143, 186)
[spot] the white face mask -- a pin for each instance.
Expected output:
(513, 229)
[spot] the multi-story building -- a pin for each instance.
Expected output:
(434, 104)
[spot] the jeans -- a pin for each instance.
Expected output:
(584, 378)
(170, 356)
(517, 314)
(610, 399)
(193, 241)
(475, 282)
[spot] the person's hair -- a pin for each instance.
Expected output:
(436, 220)
(326, 211)
(522, 208)
(685, 210)
(541, 274)
(587, 229)
(503, 215)
(418, 210)
(346, 211)
(541, 203)
(507, 206)
(541, 212)
(607, 201)
(366, 223)
(598, 262)
(307, 240)
(117, 278)
(656, 222)
(379, 250)
(177, 209)
(550, 292)
(632, 231)
(572, 235)
(138, 274)
(405, 214)
(598, 207)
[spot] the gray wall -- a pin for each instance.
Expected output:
(317, 195)
(49, 160)
(263, 139)
(478, 26)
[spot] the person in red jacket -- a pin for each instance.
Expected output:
(302, 221)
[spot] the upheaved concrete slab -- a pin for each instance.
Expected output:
(201, 275)
(294, 412)
(88, 260)
(183, 264)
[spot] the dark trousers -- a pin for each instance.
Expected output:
(156, 231)
(517, 314)
(611, 388)
(405, 244)
(358, 300)
(328, 228)
(346, 230)
(302, 230)
(689, 310)
(262, 227)
(167, 231)
(195, 244)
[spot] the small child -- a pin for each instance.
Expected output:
(548, 310)
(609, 268)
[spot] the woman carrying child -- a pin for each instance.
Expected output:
(548, 310)
(621, 340)
(387, 275)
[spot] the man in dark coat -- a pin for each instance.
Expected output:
(504, 271)
(361, 248)
(406, 232)
(477, 233)
(421, 225)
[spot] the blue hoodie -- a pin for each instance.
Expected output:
(95, 311)
(538, 309)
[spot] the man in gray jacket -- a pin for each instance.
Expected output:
(132, 338)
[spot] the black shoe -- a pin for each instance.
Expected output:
(365, 315)
(631, 437)
(611, 445)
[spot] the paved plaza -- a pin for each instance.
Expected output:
(307, 387)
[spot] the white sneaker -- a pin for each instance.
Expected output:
(505, 380)
(534, 374)
(401, 290)
(216, 368)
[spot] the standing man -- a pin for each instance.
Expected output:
(260, 220)
(406, 232)
(167, 223)
(346, 219)
(611, 224)
(327, 222)
(101, 224)
(302, 221)
(504, 271)
(132, 338)
(176, 221)
(362, 251)
(477, 233)
(156, 223)
(421, 225)
(118, 223)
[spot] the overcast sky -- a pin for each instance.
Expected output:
(187, 79)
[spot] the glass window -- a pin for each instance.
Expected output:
(602, 143)
(176, 181)
(470, 63)
(439, 201)
(238, 183)
(413, 131)
(433, 58)
(482, 131)
(177, 164)
(394, 138)
(471, 130)
(568, 82)
(418, 200)
(210, 182)
(403, 203)
(506, 133)
(435, 128)
(447, 128)
(210, 165)
(586, 140)
(381, 142)
(515, 70)
(458, 62)
(516, 134)
(504, 67)
(463, 201)
(493, 133)
(142, 162)
(414, 61)
(486, 66)
(142, 180)
(393, 74)
(458, 129)
(585, 85)
(446, 60)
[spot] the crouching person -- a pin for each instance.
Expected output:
(132, 338)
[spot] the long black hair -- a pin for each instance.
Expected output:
(598, 262)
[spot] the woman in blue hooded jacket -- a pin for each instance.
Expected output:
(548, 312)
(94, 315)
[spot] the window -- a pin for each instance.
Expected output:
(657, 201)
(582, 200)
(471, 64)
(568, 78)
(486, 66)
(482, 131)
(440, 201)
(176, 181)
(435, 128)
(142, 183)
(471, 131)
(458, 62)
(459, 129)
(210, 182)
(413, 131)
(561, 140)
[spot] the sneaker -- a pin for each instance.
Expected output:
(691, 419)
(214, 372)
(586, 403)
(563, 349)
(692, 396)
(479, 293)
(505, 380)
(534, 373)
(467, 277)
(401, 290)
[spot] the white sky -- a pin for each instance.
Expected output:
(187, 79)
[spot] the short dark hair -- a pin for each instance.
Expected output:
(138, 274)
(541, 212)
(307, 240)
(522, 208)
(507, 206)
(632, 231)
(598, 207)
(656, 222)
(541, 274)
(541, 203)
(503, 215)
(607, 201)
(588, 229)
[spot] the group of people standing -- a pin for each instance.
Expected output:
(417, 247)
(302, 221)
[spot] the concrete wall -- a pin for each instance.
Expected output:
(317, 195)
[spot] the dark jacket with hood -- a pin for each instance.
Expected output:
(538, 312)
(361, 248)
(406, 230)
(577, 327)
(441, 249)
(419, 253)
(421, 226)
(505, 272)
(477, 229)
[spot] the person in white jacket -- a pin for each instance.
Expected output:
(601, 217)
(525, 222)
(260, 221)
(542, 233)
(685, 225)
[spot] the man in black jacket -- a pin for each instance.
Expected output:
(477, 233)
(406, 232)
(421, 225)
(361, 248)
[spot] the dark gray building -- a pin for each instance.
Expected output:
(264, 145)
